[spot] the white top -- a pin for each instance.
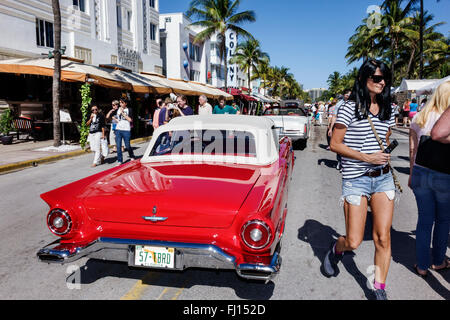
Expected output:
(205, 110)
(260, 127)
(360, 137)
(123, 124)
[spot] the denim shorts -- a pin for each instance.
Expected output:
(365, 186)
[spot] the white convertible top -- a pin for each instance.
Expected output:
(261, 127)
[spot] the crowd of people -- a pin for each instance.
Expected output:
(119, 122)
(359, 131)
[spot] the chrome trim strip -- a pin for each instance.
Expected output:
(155, 219)
(188, 255)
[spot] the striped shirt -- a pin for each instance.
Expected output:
(360, 137)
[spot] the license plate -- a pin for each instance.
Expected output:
(154, 257)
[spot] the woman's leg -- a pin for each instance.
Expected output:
(119, 146)
(382, 211)
(355, 222)
(126, 139)
(441, 189)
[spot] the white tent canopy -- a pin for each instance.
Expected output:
(429, 89)
(414, 85)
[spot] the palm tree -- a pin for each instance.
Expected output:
(263, 71)
(395, 22)
(56, 99)
(218, 17)
(248, 56)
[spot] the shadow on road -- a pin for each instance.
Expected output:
(95, 270)
(329, 163)
(320, 236)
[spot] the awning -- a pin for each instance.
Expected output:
(430, 88)
(414, 85)
(247, 97)
(71, 71)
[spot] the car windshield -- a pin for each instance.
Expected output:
(205, 142)
(285, 112)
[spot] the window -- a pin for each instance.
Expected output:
(80, 4)
(194, 52)
(152, 32)
(84, 54)
(129, 16)
(205, 142)
(44, 34)
(194, 75)
(119, 16)
(168, 20)
(152, 3)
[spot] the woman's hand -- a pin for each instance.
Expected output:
(378, 158)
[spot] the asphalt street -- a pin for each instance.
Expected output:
(314, 219)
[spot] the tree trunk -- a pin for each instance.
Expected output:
(421, 40)
(56, 93)
(411, 59)
(392, 59)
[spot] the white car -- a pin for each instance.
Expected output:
(291, 121)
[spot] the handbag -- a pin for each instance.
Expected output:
(433, 155)
(380, 142)
(104, 147)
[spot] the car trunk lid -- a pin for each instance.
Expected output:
(190, 195)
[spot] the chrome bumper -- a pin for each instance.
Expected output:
(187, 255)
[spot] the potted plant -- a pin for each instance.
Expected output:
(6, 127)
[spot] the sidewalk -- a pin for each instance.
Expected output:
(23, 154)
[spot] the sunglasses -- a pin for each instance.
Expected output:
(94, 110)
(377, 79)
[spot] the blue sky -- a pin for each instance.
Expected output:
(310, 36)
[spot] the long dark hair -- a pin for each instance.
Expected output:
(360, 93)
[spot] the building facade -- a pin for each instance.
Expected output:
(124, 32)
(315, 93)
(182, 58)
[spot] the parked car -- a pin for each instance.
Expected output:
(209, 192)
(291, 120)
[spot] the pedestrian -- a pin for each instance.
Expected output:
(320, 112)
(123, 130)
(405, 113)
(347, 93)
(365, 171)
(329, 131)
(396, 110)
(159, 106)
(164, 112)
(431, 185)
(441, 130)
(422, 105)
(96, 125)
(413, 106)
(236, 108)
(223, 108)
(204, 108)
(112, 117)
(183, 106)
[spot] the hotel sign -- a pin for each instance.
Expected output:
(129, 58)
(231, 43)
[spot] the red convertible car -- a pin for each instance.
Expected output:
(209, 192)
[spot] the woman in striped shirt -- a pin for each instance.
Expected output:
(366, 176)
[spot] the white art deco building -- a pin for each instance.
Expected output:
(184, 59)
(124, 32)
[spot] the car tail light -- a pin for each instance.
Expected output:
(59, 222)
(256, 234)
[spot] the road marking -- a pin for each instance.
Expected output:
(162, 293)
(138, 289)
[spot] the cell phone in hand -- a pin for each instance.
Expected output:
(391, 147)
